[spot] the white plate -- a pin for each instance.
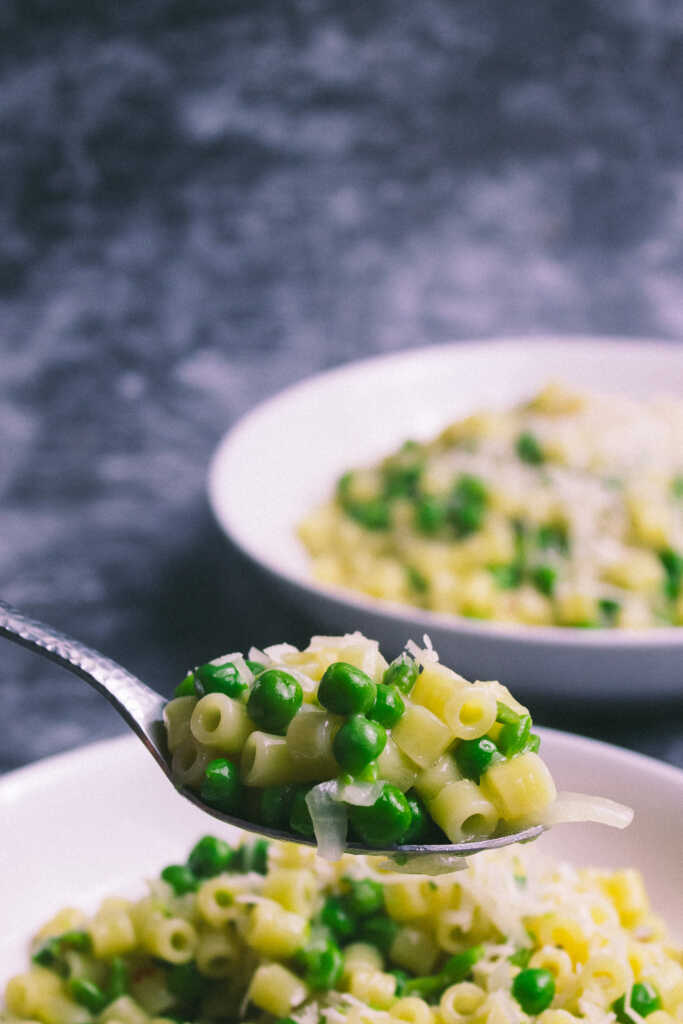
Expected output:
(99, 820)
(285, 456)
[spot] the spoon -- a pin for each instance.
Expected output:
(142, 710)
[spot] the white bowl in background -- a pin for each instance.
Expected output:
(284, 457)
(101, 819)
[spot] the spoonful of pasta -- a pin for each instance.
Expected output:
(333, 746)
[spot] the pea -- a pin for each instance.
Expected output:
(673, 566)
(210, 857)
(644, 1000)
(187, 687)
(365, 896)
(386, 821)
(416, 580)
(507, 577)
(514, 735)
(379, 931)
(421, 827)
(180, 878)
(401, 478)
(338, 917)
(346, 690)
(118, 979)
(609, 609)
(221, 787)
(254, 856)
(474, 757)
(358, 742)
(275, 805)
(324, 966)
(534, 989)
(51, 952)
(466, 517)
(402, 672)
(455, 970)
(275, 698)
(299, 816)
(185, 982)
(388, 706)
(529, 449)
(87, 994)
(220, 679)
(373, 514)
(544, 578)
(255, 667)
(553, 535)
(401, 979)
(430, 514)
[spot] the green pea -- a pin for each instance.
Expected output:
(187, 687)
(474, 757)
(677, 487)
(221, 787)
(513, 736)
(673, 566)
(324, 967)
(385, 822)
(365, 896)
(254, 856)
(373, 514)
(472, 488)
(534, 989)
(255, 666)
(209, 857)
(402, 672)
(609, 609)
(275, 698)
(529, 449)
(275, 805)
(119, 980)
(416, 580)
(544, 578)
(401, 979)
(645, 1000)
(455, 970)
(346, 690)
(180, 878)
(87, 994)
(430, 514)
(338, 917)
(379, 931)
(300, 816)
(185, 983)
(358, 742)
(220, 679)
(401, 477)
(51, 952)
(553, 535)
(421, 829)
(466, 517)
(388, 706)
(507, 577)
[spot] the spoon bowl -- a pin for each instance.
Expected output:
(142, 710)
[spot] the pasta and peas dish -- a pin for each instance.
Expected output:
(332, 743)
(272, 934)
(565, 510)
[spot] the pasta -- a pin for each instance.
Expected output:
(566, 510)
(333, 740)
(513, 937)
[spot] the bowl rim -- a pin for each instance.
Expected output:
(599, 638)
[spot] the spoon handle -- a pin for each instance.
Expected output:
(140, 706)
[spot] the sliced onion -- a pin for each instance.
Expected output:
(360, 794)
(329, 819)
(427, 864)
(574, 807)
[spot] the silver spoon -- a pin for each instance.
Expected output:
(142, 709)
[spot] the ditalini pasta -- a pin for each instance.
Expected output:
(566, 510)
(333, 741)
(271, 934)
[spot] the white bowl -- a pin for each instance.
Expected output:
(285, 456)
(99, 820)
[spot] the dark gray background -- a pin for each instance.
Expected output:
(203, 201)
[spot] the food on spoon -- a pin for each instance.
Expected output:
(564, 510)
(269, 933)
(333, 741)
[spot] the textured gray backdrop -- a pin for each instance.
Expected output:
(202, 202)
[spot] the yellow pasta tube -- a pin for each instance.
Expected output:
(274, 931)
(471, 712)
(435, 686)
(412, 1010)
(460, 1001)
(170, 938)
(221, 723)
(431, 781)
(520, 788)
(267, 761)
(421, 735)
(177, 715)
(309, 739)
(294, 889)
(276, 990)
(415, 949)
(189, 762)
(374, 988)
(217, 953)
(395, 767)
(463, 812)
